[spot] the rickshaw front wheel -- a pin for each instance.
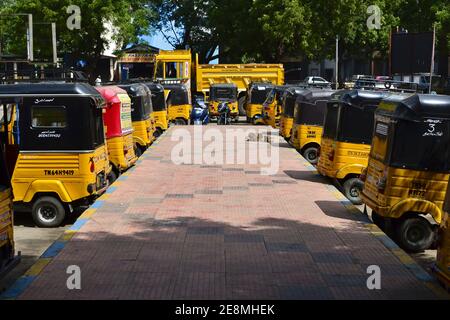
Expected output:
(352, 190)
(48, 212)
(415, 234)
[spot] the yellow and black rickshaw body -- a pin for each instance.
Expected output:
(442, 266)
(409, 167)
(141, 116)
(346, 138)
(179, 104)
(273, 105)
(7, 251)
(309, 114)
(223, 93)
(60, 157)
(256, 96)
(159, 107)
(288, 104)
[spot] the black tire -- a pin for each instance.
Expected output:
(415, 234)
(48, 212)
(138, 151)
(352, 190)
(180, 122)
(112, 176)
(311, 154)
(158, 132)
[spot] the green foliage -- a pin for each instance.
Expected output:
(130, 19)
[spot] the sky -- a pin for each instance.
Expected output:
(158, 40)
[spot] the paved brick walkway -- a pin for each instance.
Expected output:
(169, 231)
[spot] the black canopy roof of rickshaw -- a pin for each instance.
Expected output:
(311, 105)
(257, 85)
(134, 89)
(154, 87)
(48, 88)
(358, 98)
(416, 106)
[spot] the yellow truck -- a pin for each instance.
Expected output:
(175, 66)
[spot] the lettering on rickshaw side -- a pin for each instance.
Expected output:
(418, 189)
(59, 172)
(358, 154)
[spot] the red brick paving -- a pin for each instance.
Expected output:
(224, 232)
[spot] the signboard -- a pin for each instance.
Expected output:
(138, 58)
(411, 52)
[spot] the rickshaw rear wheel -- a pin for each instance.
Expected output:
(180, 122)
(48, 212)
(311, 155)
(158, 132)
(352, 190)
(138, 151)
(415, 234)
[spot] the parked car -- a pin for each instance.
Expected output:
(317, 81)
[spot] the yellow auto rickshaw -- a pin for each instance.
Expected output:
(272, 107)
(179, 103)
(287, 114)
(159, 107)
(6, 197)
(309, 114)
(58, 157)
(141, 116)
(442, 265)
(256, 95)
(118, 130)
(409, 167)
(223, 92)
(346, 138)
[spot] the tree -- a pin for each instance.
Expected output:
(126, 21)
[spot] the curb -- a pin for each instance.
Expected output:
(23, 282)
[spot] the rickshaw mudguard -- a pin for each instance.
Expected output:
(140, 141)
(47, 186)
(349, 169)
(416, 205)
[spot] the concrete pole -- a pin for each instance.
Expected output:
(337, 62)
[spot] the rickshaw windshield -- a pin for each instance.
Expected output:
(289, 105)
(422, 145)
(330, 126)
(9, 110)
(270, 97)
(259, 94)
(356, 124)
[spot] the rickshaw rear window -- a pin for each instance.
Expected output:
(48, 116)
(331, 122)
(357, 125)
(225, 93)
(311, 114)
(178, 97)
(158, 101)
(422, 146)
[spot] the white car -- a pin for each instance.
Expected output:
(317, 81)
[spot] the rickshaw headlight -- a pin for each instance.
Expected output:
(363, 175)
